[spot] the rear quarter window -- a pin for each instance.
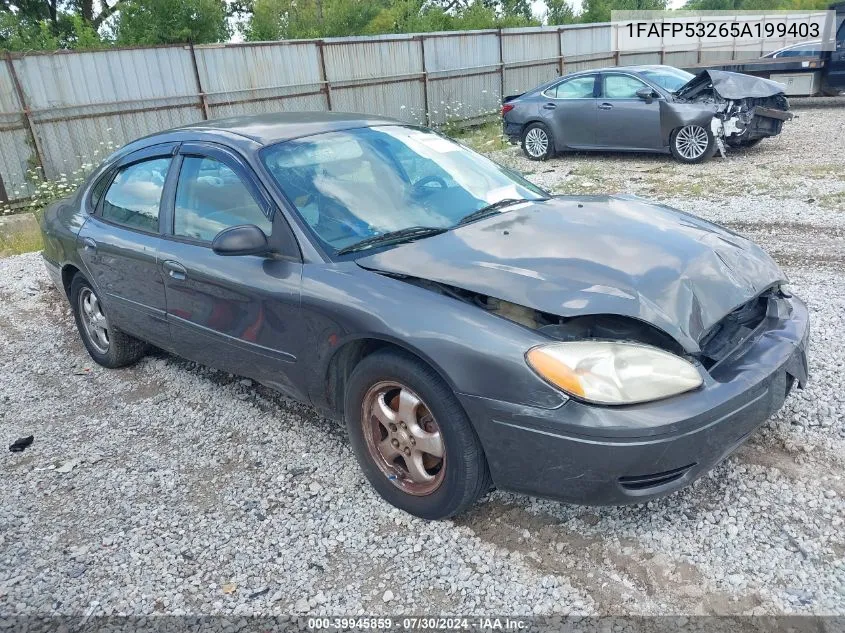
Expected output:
(98, 189)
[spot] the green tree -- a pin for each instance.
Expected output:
(36, 24)
(559, 12)
(171, 21)
(287, 19)
(293, 19)
(600, 10)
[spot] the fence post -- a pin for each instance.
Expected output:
(200, 92)
(324, 79)
(425, 82)
(27, 115)
(3, 197)
(502, 64)
(700, 44)
(614, 39)
(559, 51)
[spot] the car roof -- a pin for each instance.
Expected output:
(630, 69)
(266, 129)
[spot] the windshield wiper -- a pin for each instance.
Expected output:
(490, 209)
(393, 237)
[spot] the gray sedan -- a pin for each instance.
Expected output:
(646, 109)
(470, 329)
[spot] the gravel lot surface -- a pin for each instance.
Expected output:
(172, 488)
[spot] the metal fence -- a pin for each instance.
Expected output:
(61, 110)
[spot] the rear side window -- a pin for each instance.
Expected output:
(621, 87)
(576, 88)
(134, 197)
(211, 197)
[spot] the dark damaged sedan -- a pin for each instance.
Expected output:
(471, 329)
(646, 109)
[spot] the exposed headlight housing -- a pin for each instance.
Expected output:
(608, 372)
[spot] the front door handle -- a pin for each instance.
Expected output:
(605, 106)
(175, 270)
(89, 245)
(549, 106)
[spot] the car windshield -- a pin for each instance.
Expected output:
(357, 184)
(669, 78)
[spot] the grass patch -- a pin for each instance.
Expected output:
(20, 243)
(833, 201)
(487, 137)
(824, 171)
(585, 178)
(19, 235)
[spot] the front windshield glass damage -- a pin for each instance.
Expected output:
(354, 185)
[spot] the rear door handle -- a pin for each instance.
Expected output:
(605, 106)
(89, 245)
(175, 269)
(549, 106)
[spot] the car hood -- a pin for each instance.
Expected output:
(596, 255)
(730, 85)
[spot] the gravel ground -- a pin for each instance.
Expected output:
(172, 488)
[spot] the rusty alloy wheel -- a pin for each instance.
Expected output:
(403, 438)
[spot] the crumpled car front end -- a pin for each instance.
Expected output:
(745, 108)
(615, 455)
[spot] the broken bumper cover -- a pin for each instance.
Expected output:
(513, 131)
(595, 455)
(772, 113)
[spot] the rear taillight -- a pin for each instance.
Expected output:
(506, 108)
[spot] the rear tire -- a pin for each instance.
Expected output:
(393, 386)
(692, 144)
(538, 142)
(107, 345)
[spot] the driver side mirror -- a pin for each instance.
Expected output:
(246, 239)
(646, 94)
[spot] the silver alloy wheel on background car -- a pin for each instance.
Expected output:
(95, 322)
(692, 141)
(536, 142)
(403, 438)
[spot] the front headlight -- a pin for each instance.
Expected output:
(607, 372)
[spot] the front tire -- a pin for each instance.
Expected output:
(692, 144)
(107, 345)
(538, 142)
(412, 438)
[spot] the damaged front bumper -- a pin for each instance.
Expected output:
(595, 455)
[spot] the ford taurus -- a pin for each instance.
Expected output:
(471, 329)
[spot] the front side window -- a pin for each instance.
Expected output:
(575, 88)
(211, 197)
(134, 197)
(621, 87)
(359, 183)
